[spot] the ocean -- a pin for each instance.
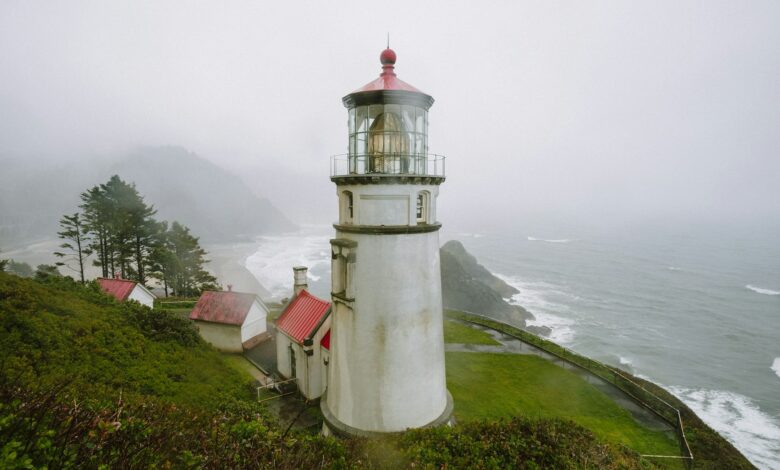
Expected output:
(695, 310)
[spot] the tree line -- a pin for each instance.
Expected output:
(117, 229)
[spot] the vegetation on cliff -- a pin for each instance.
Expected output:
(87, 382)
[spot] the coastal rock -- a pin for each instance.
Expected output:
(468, 286)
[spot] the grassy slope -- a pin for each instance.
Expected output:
(710, 449)
(68, 353)
(494, 386)
(51, 335)
(458, 333)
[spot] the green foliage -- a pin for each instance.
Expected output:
(180, 261)
(60, 331)
(45, 271)
(87, 382)
(519, 443)
(75, 233)
(21, 269)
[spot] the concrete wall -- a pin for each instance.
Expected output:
(223, 337)
(255, 322)
(308, 368)
(283, 343)
(142, 296)
(386, 368)
(386, 204)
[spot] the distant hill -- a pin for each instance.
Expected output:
(215, 204)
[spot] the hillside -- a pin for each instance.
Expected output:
(214, 203)
(86, 381)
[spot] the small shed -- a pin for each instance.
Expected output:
(231, 321)
(125, 289)
(300, 331)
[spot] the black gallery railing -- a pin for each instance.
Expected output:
(382, 164)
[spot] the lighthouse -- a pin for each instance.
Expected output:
(386, 367)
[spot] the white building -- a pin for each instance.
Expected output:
(386, 365)
(230, 321)
(125, 289)
(300, 331)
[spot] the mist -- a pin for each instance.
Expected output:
(598, 112)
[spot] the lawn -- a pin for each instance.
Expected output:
(458, 333)
(494, 386)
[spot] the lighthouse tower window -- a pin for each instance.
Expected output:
(422, 207)
(347, 207)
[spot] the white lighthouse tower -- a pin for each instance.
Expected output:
(386, 368)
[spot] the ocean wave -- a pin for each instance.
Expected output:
(275, 256)
(761, 290)
(738, 419)
(674, 268)
(534, 297)
(559, 240)
(776, 366)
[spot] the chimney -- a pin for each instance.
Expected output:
(230, 287)
(116, 275)
(300, 282)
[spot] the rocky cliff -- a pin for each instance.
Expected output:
(467, 286)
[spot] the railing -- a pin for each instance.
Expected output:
(395, 164)
(637, 392)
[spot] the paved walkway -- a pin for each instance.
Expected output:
(511, 345)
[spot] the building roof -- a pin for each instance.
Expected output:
(226, 307)
(120, 289)
(387, 79)
(303, 316)
(326, 341)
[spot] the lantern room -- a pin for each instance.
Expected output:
(388, 128)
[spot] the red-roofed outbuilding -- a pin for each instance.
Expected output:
(125, 289)
(231, 321)
(300, 330)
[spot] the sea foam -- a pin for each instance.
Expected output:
(776, 366)
(740, 420)
(275, 256)
(761, 290)
(535, 297)
(558, 240)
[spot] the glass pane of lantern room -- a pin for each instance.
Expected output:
(373, 112)
(407, 117)
(420, 126)
(361, 116)
(394, 109)
(351, 121)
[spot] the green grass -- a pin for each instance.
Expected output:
(458, 333)
(496, 386)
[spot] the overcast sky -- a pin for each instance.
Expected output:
(582, 109)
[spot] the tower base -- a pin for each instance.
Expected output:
(332, 426)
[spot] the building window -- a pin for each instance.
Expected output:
(347, 204)
(422, 207)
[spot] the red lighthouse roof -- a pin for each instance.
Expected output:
(387, 79)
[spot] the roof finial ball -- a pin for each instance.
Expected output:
(387, 58)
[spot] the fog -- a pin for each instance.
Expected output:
(599, 111)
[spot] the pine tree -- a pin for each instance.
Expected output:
(184, 263)
(74, 233)
(122, 226)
